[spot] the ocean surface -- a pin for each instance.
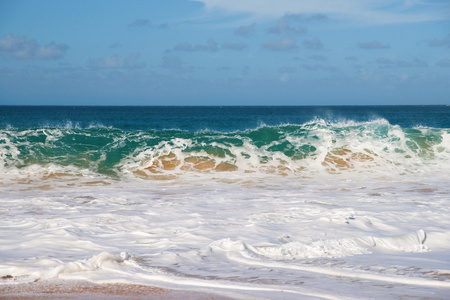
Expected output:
(248, 202)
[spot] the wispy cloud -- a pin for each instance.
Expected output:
(287, 69)
(163, 26)
(210, 46)
(318, 67)
(234, 46)
(116, 62)
(285, 44)
(246, 31)
(116, 45)
(367, 11)
(391, 63)
(174, 63)
(445, 42)
(285, 25)
(22, 48)
(140, 23)
(443, 63)
(314, 44)
(351, 58)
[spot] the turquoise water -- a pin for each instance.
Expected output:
(173, 140)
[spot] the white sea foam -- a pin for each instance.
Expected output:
(244, 235)
(326, 248)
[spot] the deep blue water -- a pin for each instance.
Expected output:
(224, 119)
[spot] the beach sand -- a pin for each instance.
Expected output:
(74, 290)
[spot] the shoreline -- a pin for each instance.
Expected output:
(82, 290)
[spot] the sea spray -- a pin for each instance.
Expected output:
(314, 147)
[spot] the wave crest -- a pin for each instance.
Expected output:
(328, 248)
(316, 147)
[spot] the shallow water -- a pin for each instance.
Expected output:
(320, 209)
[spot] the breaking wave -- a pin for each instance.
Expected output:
(332, 248)
(316, 147)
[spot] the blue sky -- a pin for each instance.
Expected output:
(224, 52)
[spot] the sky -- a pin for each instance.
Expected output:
(224, 52)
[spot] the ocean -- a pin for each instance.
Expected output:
(276, 202)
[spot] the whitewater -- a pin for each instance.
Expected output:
(277, 207)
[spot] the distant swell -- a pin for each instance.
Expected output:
(375, 147)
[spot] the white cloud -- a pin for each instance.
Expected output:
(22, 48)
(366, 11)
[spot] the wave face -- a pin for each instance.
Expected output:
(316, 147)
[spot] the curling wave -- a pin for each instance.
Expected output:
(313, 147)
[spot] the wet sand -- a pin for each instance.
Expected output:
(77, 290)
